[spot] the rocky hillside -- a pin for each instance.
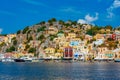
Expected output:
(36, 38)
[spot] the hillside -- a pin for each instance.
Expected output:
(35, 39)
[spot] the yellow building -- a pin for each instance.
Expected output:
(102, 30)
(116, 54)
(108, 30)
(66, 44)
(109, 54)
(99, 36)
(59, 53)
(11, 35)
(71, 35)
(52, 30)
(3, 39)
(49, 52)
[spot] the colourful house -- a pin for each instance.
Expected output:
(116, 53)
(71, 35)
(52, 30)
(104, 54)
(61, 35)
(49, 52)
(99, 36)
(68, 53)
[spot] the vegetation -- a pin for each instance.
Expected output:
(2, 44)
(61, 22)
(41, 29)
(11, 49)
(93, 31)
(60, 31)
(27, 46)
(52, 37)
(51, 21)
(18, 32)
(15, 42)
(41, 37)
(32, 50)
(3, 34)
(25, 30)
(41, 23)
(29, 31)
(30, 38)
(108, 27)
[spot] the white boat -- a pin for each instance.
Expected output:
(27, 59)
(35, 59)
(7, 60)
(117, 60)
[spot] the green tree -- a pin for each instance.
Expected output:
(28, 31)
(52, 37)
(32, 50)
(102, 45)
(41, 37)
(14, 38)
(67, 24)
(2, 44)
(41, 29)
(60, 31)
(25, 29)
(61, 22)
(93, 31)
(50, 21)
(110, 39)
(27, 46)
(12, 48)
(53, 20)
(41, 23)
(15, 42)
(72, 31)
(108, 27)
(3, 34)
(18, 32)
(74, 22)
(92, 40)
(118, 28)
(30, 38)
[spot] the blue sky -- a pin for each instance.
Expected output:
(17, 14)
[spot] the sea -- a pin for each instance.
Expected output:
(60, 71)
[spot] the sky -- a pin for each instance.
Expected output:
(17, 14)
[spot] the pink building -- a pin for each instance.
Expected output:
(68, 53)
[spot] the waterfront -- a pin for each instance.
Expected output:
(60, 71)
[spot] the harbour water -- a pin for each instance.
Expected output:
(60, 71)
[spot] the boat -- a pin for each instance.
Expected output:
(23, 59)
(117, 60)
(7, 60)
(19, 60)
(35, 59)
(67, 58)
(27, 59)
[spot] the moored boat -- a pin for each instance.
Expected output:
(7, 60)
(117, 60)
(19, 60)
(23, 59)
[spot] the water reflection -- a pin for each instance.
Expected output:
(60, 71)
